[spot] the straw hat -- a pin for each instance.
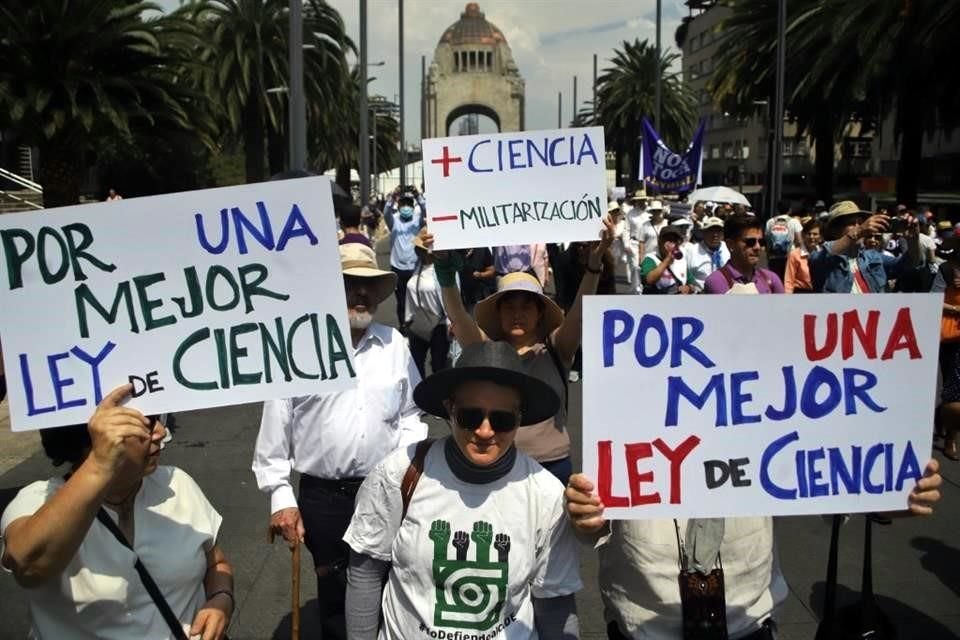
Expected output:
(711, 222)
(612, 206)
(359, 261)
(844, 210)
(488, 316)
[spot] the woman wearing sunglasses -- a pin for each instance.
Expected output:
(74, 542)
(471, 530)
(742, 274)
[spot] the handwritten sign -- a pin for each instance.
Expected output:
(725, 406)
(515, 188)
(199, 299)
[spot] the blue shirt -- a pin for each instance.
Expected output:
(831, 273)
(403, 255)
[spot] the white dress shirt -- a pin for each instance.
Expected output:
(700, 260)
(344, 434)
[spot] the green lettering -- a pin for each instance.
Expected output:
(147, 305)
(223, 272)
(14, 257)
(77, 250)
(337, 351)
(293, 363)
(277, 348)
(220, 338)
(82, 294)
(45, 273)
(193, 290)
(197, 336)
(318, 348)
(237, 352)
(253, 288)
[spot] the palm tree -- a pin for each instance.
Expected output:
(246, 55)
(625, 95)
(73, 71)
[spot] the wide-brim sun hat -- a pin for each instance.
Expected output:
(612, 206)
(489, 361)
(359, 261)
(844, 210)
(487, 313)
(711, 222)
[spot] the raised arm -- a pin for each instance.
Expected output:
(566, 337)
(446, 266)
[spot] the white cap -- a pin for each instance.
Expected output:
(655, 205)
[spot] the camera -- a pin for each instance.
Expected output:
(898, 225)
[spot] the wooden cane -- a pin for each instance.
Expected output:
(295, 599)
(295, 591)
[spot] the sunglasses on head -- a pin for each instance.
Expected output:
(501, 421)
(753, 242)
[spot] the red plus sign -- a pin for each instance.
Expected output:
(446, 160)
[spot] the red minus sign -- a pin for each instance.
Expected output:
(443, 218)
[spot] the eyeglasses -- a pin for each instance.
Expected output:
(753, 242)
(501, 421)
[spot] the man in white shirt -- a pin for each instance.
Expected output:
(636, 216)
(333, 440)
(650, 230)
(708, 255)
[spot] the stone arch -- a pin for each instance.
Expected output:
(467, 109)
(472, 71)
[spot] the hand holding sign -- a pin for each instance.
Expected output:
(927, 490)
(584, 508)
(110, 427)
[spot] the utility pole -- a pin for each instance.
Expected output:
(376, 181)
(594, 85)
(656, 98)
(559, 109)
(298, 111)
(778, 107)
(423, 97)
(403, 137)
(364, 142)
(573, 115)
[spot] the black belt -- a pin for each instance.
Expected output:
(340, 485)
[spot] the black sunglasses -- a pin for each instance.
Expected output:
(753, 242)
(471, 418)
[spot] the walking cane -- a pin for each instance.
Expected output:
(295, 591)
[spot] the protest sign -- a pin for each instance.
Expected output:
(515, 188)
(663, 170)
(727, 406)
(200, 299)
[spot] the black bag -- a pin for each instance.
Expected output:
(857, 621)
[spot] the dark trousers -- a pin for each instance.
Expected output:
(326, 507)
(438, 346)
(401, 292)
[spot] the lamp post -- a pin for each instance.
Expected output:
(298, 109)
(656, 84)
(403, 137)
(778, 107)
(364, 140)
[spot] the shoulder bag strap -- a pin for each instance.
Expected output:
(176, 629)
(412, 476)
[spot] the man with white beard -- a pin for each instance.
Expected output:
(333, 440)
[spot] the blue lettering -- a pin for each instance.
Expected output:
(586, 149)
(60, 383)
(94, 362)
(818, 487)
(869, 460)
(839, 472)
(32, 409)
(471, 165)
(553, 150)
(224, 233)
(854, 391)
(676, 387)
(738, 397)
(772, 450)
(909, 467)
(611, 336)
(789, 397)
(500, 153)
(295, 227)
(240, 222)
(808, 400)
(803, 489)
(533, 150)
(647, 322)
(515, 154)
(684, 343)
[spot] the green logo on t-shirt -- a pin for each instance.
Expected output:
(470, 594)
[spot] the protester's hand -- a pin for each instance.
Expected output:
(584, 509)
(110, 426)
(927, 490)
(913, 227)
(288, 524)
(213, 618)
(427, 238)
(606, 241)
(875, 224)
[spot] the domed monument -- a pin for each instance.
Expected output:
(472, 72)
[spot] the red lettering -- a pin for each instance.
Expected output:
(867, 336)
(605, 477)
(636, 452)
(902, 336)
(676, 458)
(810, 339)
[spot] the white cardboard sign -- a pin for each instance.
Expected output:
(515, 188)
(201, 299)
(727, 406)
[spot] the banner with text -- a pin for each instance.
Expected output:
(727, 406)
(515, 188)
(663, 170)
(199, 299)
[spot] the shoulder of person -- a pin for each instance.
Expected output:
(393, 468)
(29, 499)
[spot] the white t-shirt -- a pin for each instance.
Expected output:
(700, 260)
(99, 595)
(468, 557)
(649, 233)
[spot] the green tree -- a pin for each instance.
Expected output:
(75, 71)
(625, 94)
(246, 54)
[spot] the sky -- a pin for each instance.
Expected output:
(551, 41)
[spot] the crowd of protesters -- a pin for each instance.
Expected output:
(389, 517)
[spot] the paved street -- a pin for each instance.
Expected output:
(916, 561)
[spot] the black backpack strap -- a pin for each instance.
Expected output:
(168, 616)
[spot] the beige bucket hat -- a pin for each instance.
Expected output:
(360, 261)
(488, 317)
